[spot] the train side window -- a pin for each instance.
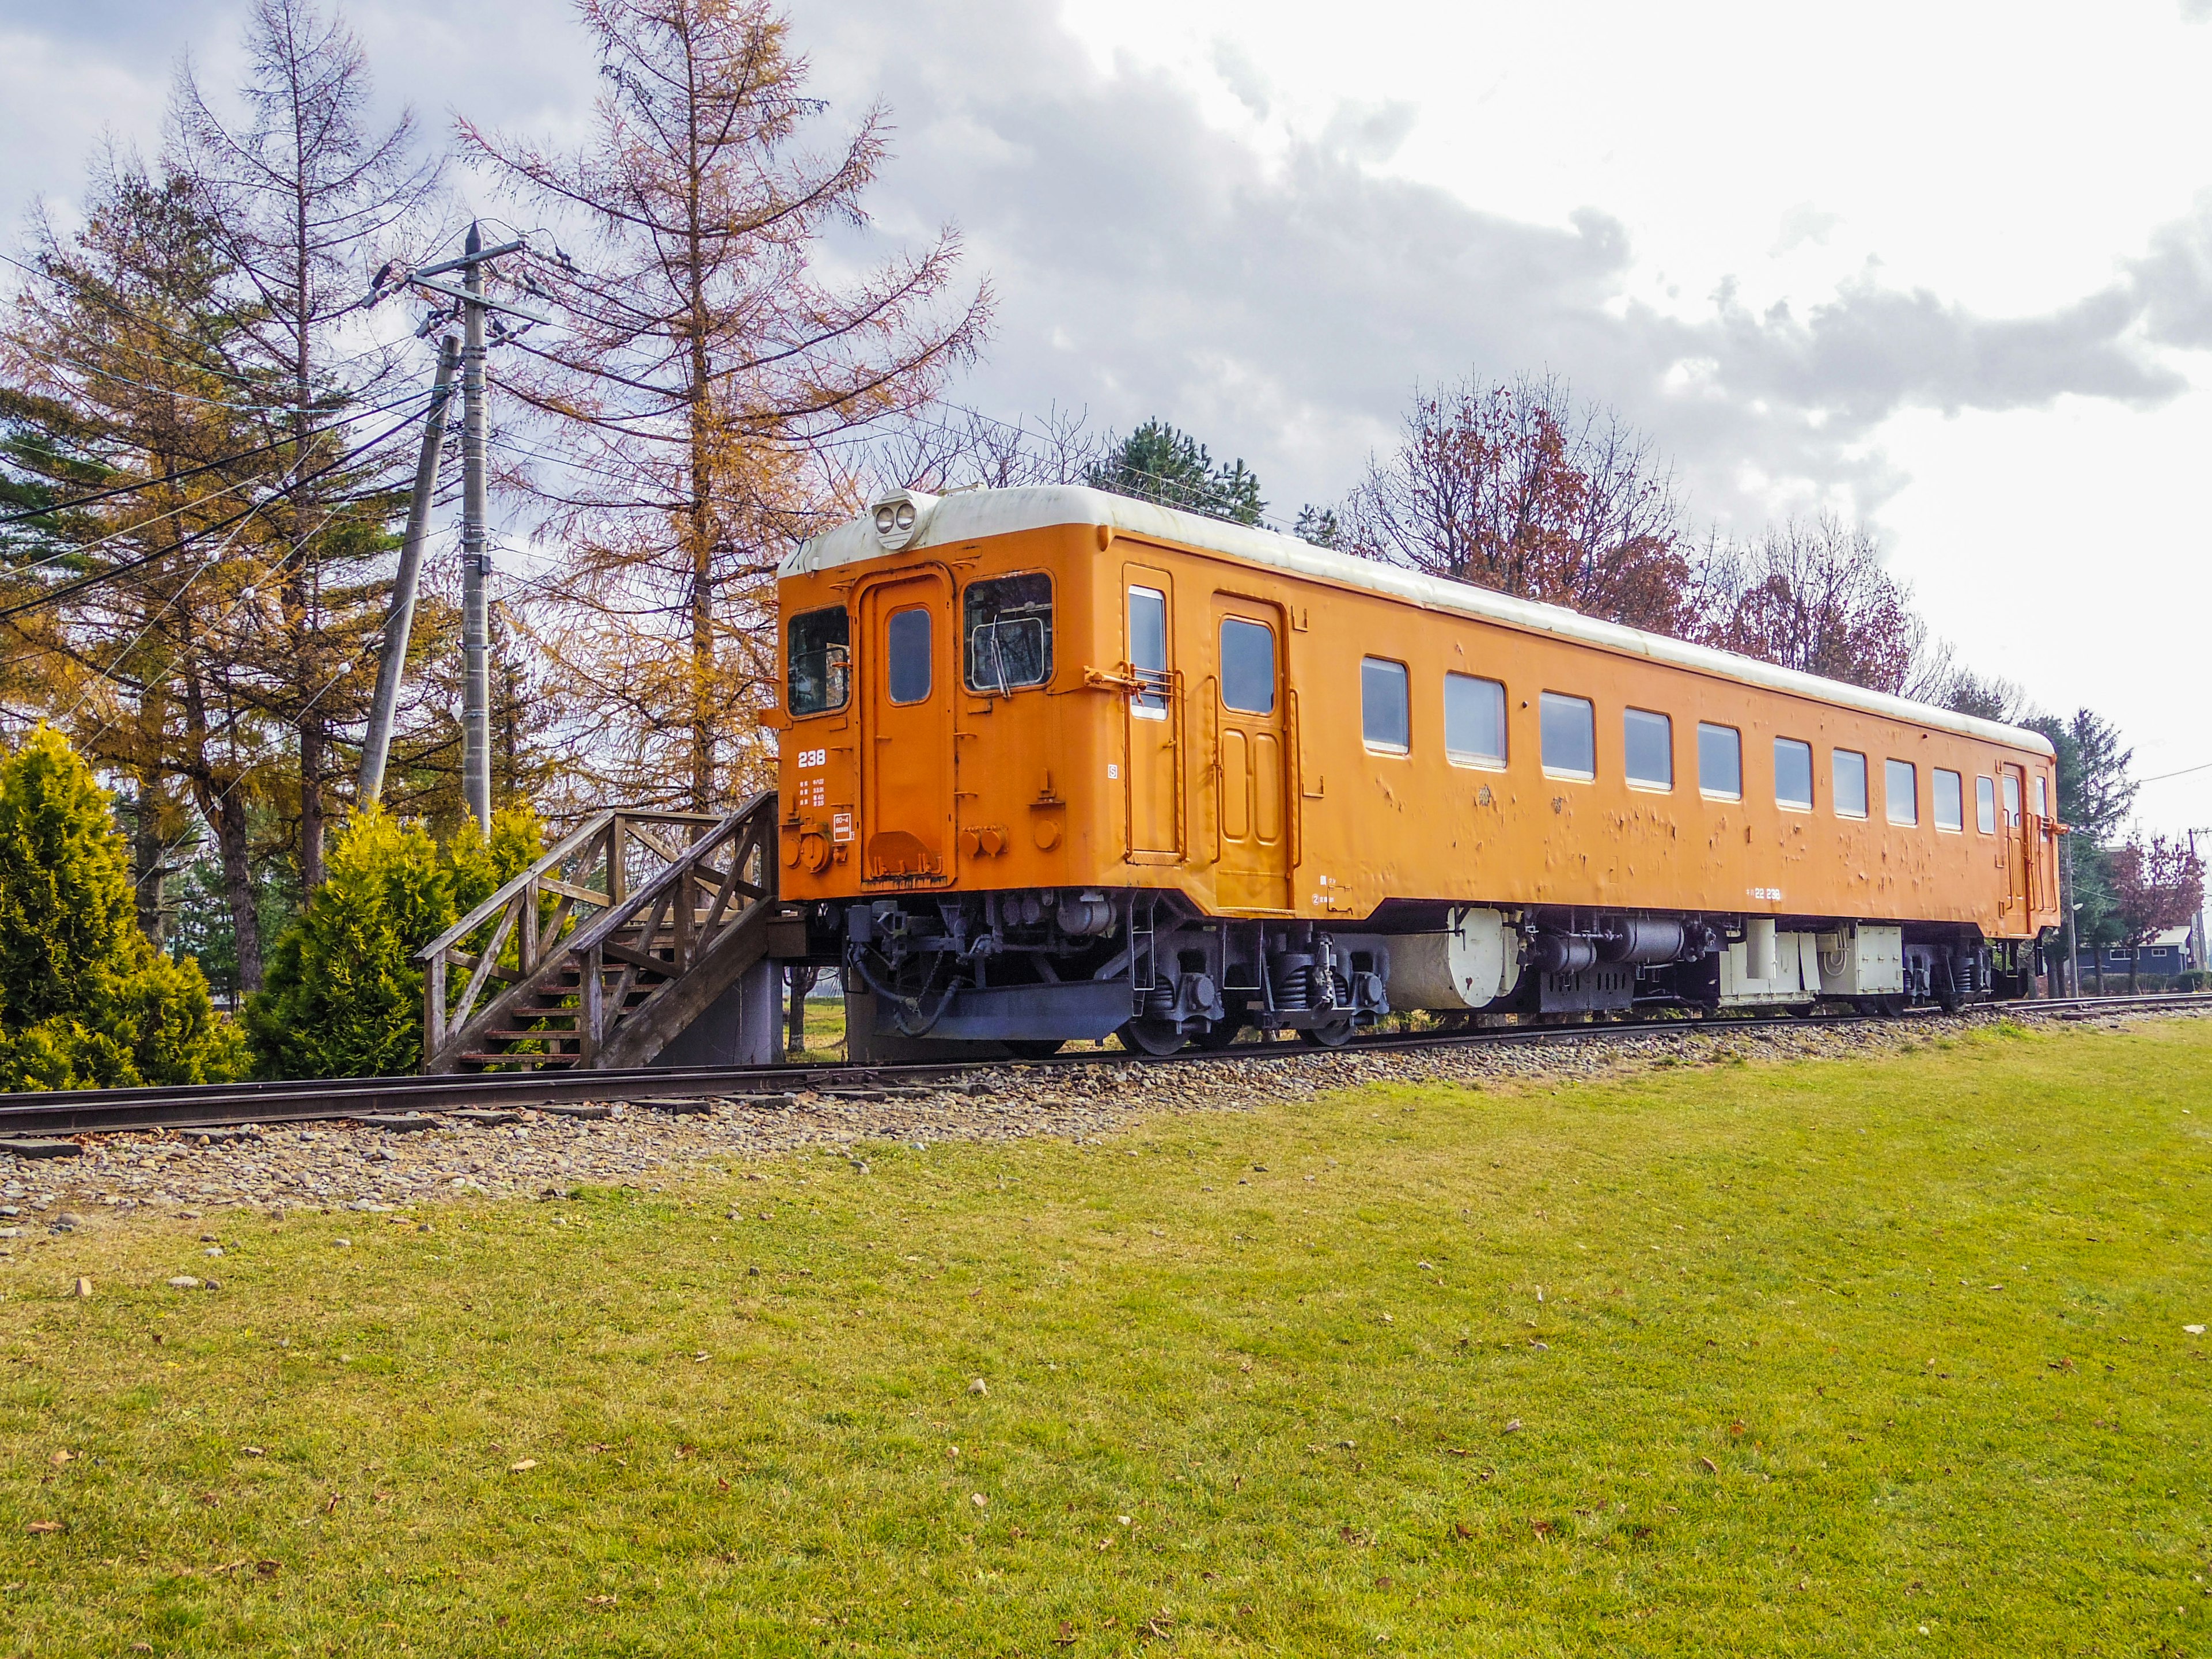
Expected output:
(1009, 629)
(819, 670)
(1950, 801)
(1985, 806)
(1474, 721)
(1647, 740)
(1901, 791)
(1847, 771)
(907, 644)
(2012, 800)
(1720, 761)
(1248, 666)
(1386, 713)
(1148, 652)
(1569, 732)
(1793, 774)
(2042, 798)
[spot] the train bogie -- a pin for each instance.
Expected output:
(1056, 763)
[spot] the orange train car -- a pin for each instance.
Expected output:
(1057, 763)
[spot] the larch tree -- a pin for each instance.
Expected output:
(303, 195)
(703, 368)
(1521, 487)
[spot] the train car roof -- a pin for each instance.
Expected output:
(971, 515)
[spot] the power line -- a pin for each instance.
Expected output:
(125, 568)
(2182, 773)
(27, 513)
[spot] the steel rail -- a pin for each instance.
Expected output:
(107, 1111)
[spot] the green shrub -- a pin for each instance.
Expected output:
(86, 1001)
(2193, 979)
(342, 995)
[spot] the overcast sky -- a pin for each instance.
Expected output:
(1945, 268)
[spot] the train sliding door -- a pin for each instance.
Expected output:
(906, 667)
(1251, 778)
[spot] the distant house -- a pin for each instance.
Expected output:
(2168, 953)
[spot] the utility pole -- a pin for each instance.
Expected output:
(376, 747)
(476, 623)
(2200, 948)
(475, 560)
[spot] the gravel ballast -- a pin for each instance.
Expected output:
(361, 1166)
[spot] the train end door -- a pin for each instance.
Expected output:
(2018, 837)
(906, 672)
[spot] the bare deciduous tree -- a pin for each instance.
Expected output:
(706, 367)
(300, 198)
(1519, 488)
(1812, 594)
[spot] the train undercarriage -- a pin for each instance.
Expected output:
(1028, 970)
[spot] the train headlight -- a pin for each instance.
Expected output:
(900, 518)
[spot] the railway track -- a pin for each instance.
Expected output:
(29, 1117)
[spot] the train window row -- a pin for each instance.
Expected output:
(1566, 735)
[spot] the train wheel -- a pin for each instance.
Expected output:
(1219, 1035)
(1150, 1036)
(1326, 1037)
(1032, 1047)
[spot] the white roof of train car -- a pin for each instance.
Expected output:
(971, 515)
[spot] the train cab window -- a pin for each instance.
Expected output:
(1248, 666)
(1008, 625)
(2042, 798)
(1985, 806)
(2012, 800)
(819, 670)
(1848, 777)
(1647, 742)
(1474, 721)
(1570, 736)
(1950, 801)
(1720, 762)
(1386, 714)
(907, 644)
(1901, 791)
(1793, 774)
(1148, 652)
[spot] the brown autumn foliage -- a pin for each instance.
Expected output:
(692, 407)
(2157, 884)
(1518, 488)
(1812, 594)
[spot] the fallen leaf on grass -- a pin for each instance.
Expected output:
(1735, 1428)
(978, 1500)
(330, 1506)
(1712, 1467)
(1513, 1427)
(2194, 1330)
(599, 1600)
(526, 1464)
(1159, 1627)
(1066, 1637)
(61, 1457)
(46, 1525)
(1540, 1528)
(1461, 1529)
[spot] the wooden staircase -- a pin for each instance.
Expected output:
(602, 951)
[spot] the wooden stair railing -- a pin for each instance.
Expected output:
(604, 977)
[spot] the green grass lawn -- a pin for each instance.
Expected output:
(1849, 1357)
